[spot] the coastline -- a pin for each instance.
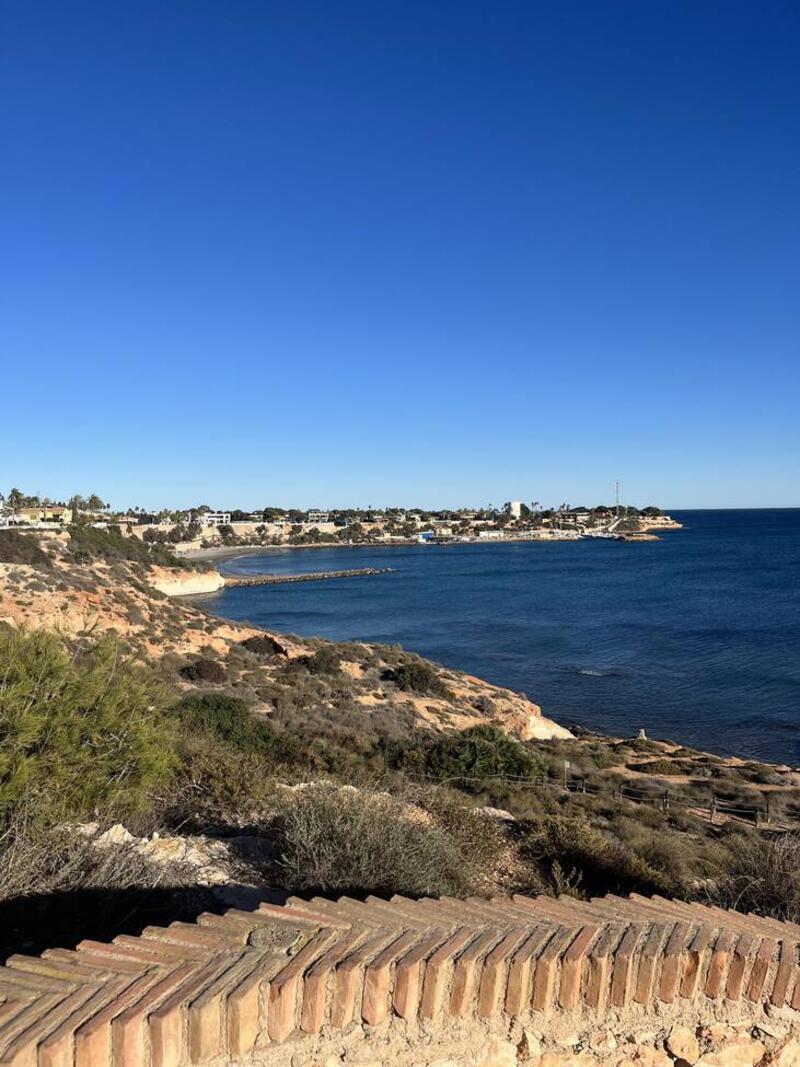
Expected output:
(233, 551)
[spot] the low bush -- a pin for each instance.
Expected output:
(78, 731)
(88, 543)
(570, 850)
(323, 661)
(761, 874)
(263, 645)
(663, 767)
(482, 750)
(204, 670)
(335, 840)
(231, 721)
(37, 860)
(218, 785)
(414, 676)
(22, 548)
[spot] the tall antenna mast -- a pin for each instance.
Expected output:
(616, 493)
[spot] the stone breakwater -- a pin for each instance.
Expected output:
(313, 576)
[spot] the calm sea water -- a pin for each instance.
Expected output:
(696, 637)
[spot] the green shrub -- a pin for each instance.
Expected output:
(219, 784)
(482, 750)
(324, 661)
(263, 645)
(761, 874)
(22, 548)
(664, 767)
(336, 840)
(231, 721)
(204, 670)
(78, 732)
(568, 847)
(414, 676)
(88, 543)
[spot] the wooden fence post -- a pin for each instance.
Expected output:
(712, 809)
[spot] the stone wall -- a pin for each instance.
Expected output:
(614, 982)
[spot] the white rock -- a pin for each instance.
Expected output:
(683, 1044)
(496, 813)
(115, 835)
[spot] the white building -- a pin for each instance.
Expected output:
(514, 509)
(317, 516)
(215, 518)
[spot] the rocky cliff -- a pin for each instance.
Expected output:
(67, 592)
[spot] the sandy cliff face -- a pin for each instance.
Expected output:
(185, 583)
(119, 598)
(143, 606)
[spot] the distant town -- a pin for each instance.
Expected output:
(204, 528)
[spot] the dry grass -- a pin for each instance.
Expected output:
(34, 862)
(762, 875)
(338, 840)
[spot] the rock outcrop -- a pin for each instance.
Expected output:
(173, 582)
(145, 608)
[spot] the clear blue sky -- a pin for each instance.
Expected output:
(423, 252)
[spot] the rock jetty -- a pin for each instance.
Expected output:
(313, 576)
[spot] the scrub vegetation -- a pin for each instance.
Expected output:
(346, 763)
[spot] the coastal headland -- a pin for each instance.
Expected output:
(213, 759)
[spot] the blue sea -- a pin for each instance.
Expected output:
(695, 637)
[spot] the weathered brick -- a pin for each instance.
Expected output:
(19, 1019)
(624, 967)
(697, 957)
(787, 965)
(283, 1001)
(546, 972)
(206, 1012)
(375, 999)
(601, 958)
(492, 988)
(57, 1049)
(244, 1005)
(521, 968)
(130, 1043)
(761, 966)
(166, 1021)
(467, 968)
(93, 1037)
(25, 1045)
(649, 958)
(293, 916)
(746, 944)
(107, 964)
(194, 937)
(572, 965)
(717, 968)
(408, 975)
(349, 976)
(436, 971)
(673, 960)
(147, 952)
(166, 951)
(315, 982)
